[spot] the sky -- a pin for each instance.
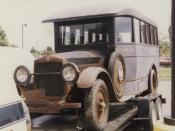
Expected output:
(14, 13)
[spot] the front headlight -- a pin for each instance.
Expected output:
(70, 72)
(21, 75)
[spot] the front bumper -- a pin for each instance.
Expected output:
(48, 107)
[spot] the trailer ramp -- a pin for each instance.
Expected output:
(121, 115)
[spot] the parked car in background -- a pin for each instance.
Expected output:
(14, 114)
(165, 61)
(15, 58)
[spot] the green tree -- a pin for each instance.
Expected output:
(3, 39)
(164, 48)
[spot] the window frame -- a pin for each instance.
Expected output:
(155, 33)
(97, 46)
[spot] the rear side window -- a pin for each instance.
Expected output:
(156, 36)
(95, 32)
(137, 30)
(147, 34)
(152, 35)
(143, 32)
(123, 29)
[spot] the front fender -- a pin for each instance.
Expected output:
(89, 76)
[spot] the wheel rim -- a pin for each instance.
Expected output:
(119, 76)
(101, 105)
(120, 72)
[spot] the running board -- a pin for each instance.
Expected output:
(123, 120)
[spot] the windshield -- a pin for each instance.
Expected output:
(80, 34)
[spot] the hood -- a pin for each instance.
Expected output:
(76, 57)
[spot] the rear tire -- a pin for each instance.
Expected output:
(153, 82)
(158, 104)
(96, 106)
(152, 115)
(117, 71)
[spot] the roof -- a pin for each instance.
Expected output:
(94, 12)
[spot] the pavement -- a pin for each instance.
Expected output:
(165, 90)
(65, 123)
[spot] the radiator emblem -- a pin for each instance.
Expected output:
(47, 58)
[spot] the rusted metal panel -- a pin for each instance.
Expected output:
(85, 57)
(91, 73)
(48, 58)
(47, 107)
(38, 99)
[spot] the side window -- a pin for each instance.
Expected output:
(147, 34)
(152, 35)
(137, 30)
(156, 36)
(67, 35)
(123, 29)
(95, 32)
(143, 32)
(71, 35)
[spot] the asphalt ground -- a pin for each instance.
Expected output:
(68, 123)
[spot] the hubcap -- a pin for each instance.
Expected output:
(120, 70)
(101, 105)
(120, 74)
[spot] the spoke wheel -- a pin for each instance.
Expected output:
(101, 102)
(119, 78)
(96, 106)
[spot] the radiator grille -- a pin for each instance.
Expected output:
(52, 84)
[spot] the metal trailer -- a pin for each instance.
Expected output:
(136, 114)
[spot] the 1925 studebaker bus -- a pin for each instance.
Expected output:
(102, 56)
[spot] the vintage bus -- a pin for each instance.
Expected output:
(102, 55)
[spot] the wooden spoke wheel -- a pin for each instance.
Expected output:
(119, 78)
(96, 106)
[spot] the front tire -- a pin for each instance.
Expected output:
(96, 106)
